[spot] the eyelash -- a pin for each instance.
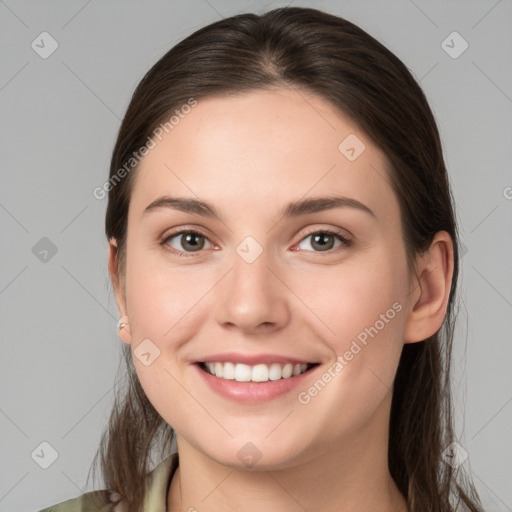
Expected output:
(345, 241)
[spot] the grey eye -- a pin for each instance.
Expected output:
(188, 241)
(321, 241)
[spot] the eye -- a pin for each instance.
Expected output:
(186, 242)
(323, 241)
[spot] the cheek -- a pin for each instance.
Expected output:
(361, 309)
(364, 312)
(163, 307)
(161, 296)
(353, 296)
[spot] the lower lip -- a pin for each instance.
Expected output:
(253, 392)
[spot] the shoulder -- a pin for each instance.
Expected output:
(157, 483)
(93, 501)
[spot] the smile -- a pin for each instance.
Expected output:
(254, 373)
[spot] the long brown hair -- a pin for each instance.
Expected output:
(313, 51)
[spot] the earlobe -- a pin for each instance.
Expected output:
(435, 271)
(123, 328)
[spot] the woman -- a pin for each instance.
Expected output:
(284, 257)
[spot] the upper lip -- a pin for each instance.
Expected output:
(250, 359)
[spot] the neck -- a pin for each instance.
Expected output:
(350, 477)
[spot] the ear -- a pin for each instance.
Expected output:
(430, 289)
(119, 289)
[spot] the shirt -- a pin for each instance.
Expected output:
(155, 499)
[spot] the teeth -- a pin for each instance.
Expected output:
(287, 371)
(242, 372)
(260, 373)
(257, 373)
(228, 371)
(274, 372)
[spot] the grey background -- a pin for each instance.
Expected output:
(59, 117)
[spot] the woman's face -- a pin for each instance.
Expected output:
(271, 277)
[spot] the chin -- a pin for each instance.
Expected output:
(255, 456)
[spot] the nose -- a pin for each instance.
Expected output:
(252, 298)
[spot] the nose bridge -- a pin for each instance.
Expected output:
(250, 268)
(251, 295)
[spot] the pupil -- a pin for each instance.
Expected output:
(189, 240)
(321, 239)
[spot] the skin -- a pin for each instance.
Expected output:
(250, 155)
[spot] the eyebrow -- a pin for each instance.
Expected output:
(293, 209)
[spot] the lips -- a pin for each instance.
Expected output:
(255, 392)
(253, 367)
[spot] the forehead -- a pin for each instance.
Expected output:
(264, 148)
